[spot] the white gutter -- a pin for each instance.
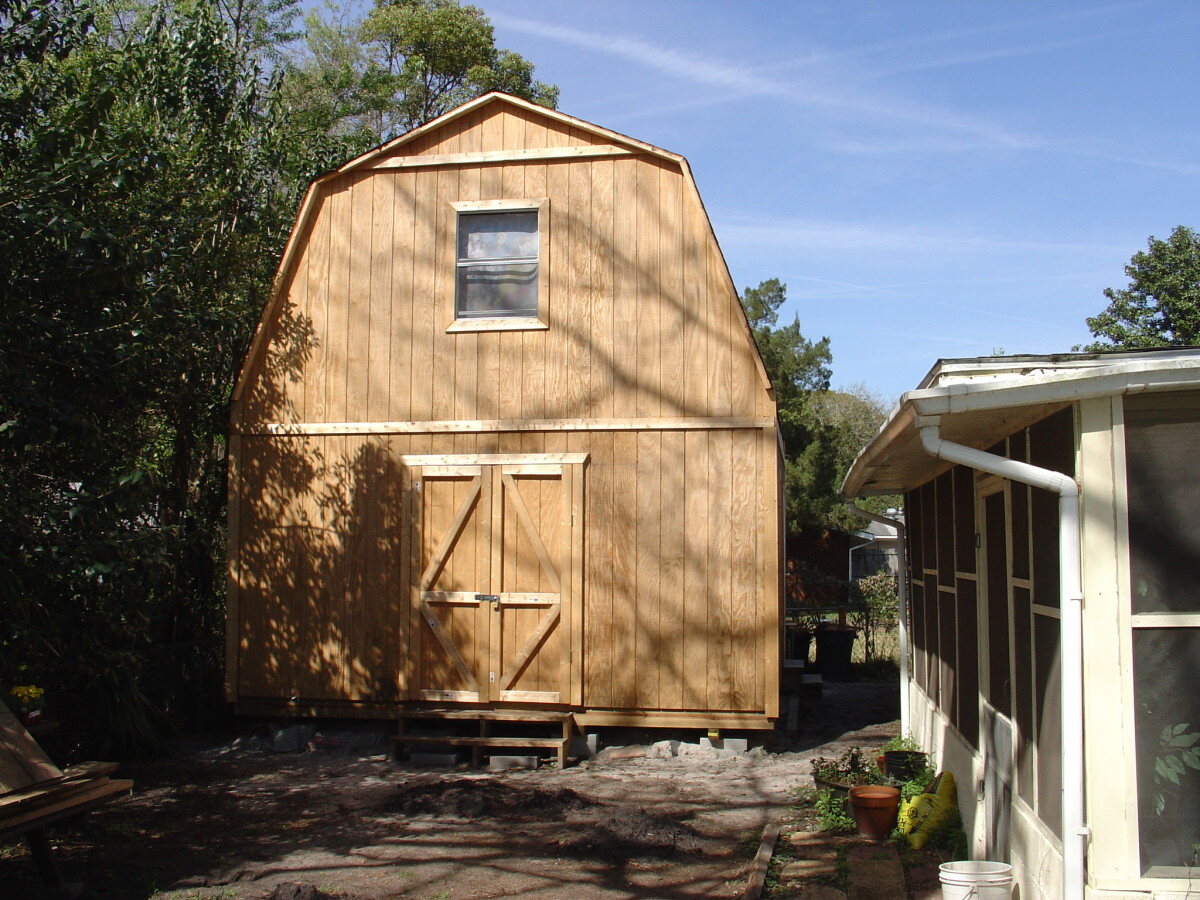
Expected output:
(901, 605)
(1075, 830)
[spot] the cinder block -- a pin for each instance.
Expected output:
(504, 763)
(291, 738)
(428, 758)
(585, 746)
(736, 745)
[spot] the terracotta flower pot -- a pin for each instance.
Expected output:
(874, 808)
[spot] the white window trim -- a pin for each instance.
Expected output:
(476, 324)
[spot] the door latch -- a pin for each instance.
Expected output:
(488, 598)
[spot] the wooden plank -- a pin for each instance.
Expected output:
(102, 792)
(448, 645)
(463, 696)
(762, 860)
(672, 623)
(491, 715)
(576, 310)
(706, 719)
(381, 297)
(498, 156)
(533, 469)
(531, 532)
(452, 471)
(561, 301)
(492, 459)
(578, 538)
(720, 569)
(22, 761)
(438, 560)
(695, 636)
(508, 347)
(602, 252)
(771, 603)
(626, 299)
(534, 344)
(624, 556)
(566, 550)
(470, 741)
(401, 336)
(648, 639)
(672, 311)
(531, 696)
(424, 298)
(597, 662)
(443, 286)
(533, 643)
(341, 211)
(647, 255)
(452, 426)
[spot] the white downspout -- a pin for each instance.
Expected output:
(901, 605)
(1075, 830)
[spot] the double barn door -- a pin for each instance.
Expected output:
(497, 552)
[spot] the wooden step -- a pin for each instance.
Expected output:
(457, 741)
(491, 715)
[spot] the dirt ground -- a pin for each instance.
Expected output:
(225, 818)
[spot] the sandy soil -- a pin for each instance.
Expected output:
(224, 819)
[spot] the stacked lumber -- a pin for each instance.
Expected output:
(34, 792)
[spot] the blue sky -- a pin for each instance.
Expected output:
(930, 179)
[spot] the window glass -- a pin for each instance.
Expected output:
(497, 264)
(503, 235)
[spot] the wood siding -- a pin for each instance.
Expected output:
(642, 319)
(672, 573)
(670, 595)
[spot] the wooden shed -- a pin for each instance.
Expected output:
(503, 440)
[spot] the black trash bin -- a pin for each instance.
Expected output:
(834, 644)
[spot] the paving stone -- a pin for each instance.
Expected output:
(873, 851)
(811, 846)
(808, 868)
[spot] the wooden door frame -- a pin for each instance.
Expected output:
(495, 472)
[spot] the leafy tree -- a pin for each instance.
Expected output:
(147, 177)
(822, 430)
(1161, 305)
(406, 62)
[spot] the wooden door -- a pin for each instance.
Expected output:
(499, 540)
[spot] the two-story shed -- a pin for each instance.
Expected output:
(503, 439)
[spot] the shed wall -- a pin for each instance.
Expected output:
(642, 320)
(680, 605)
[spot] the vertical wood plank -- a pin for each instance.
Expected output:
(720, 363)
(559, 300)
(625, 288)
(720, 570)
(468, 384)
(403, 336)
(380, 296)
(578, 539)
(672, 596)
(424, 299)
(696, 636)
(598, 597)
(648, 636)
(770, 561)
(747, 633)
(509, 345)
(339, 284)
(534, 343)
(649, 347)
(579, 290)
(443, 281)
(672, 311)
(600, 230)
(358, 306)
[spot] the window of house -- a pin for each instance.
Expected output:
(497, 262)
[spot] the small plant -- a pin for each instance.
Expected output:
(904, 742)
(847, 770)
(831, 813)
(26, 698)
(1177, 752)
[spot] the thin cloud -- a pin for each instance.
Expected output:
(743, 82)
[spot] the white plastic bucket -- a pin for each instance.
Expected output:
(976, 879)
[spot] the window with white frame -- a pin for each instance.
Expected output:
(497, 264)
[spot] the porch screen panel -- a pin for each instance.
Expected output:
(917, 614)
(915, 529)
(944, 517)
(967, 707)
(1162, 434)
(1023, 691)
(1051, 446)
(933, 650)
(964, 519)
(1048, 708)
(999, 685)
(1166, 665)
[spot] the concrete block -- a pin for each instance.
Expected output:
(584, 746)
(291, 738)
(505, 763)
(737, 745)
(428, 758)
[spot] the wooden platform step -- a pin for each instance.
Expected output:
(485, 719)
(491, 715)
